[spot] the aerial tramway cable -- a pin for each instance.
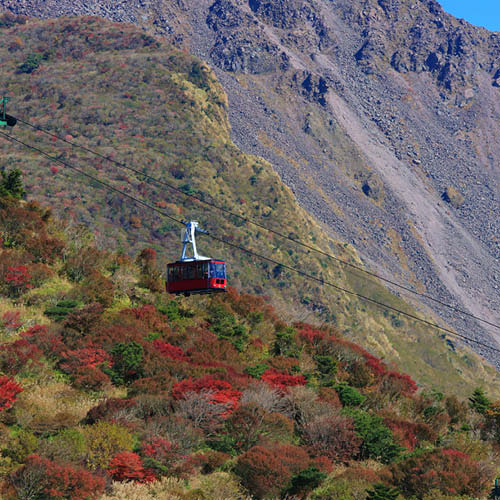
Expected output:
(261, 226)
(248, 251)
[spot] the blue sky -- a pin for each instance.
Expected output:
(479, 12)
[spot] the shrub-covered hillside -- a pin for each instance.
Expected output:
(115, 89)
(110, 389)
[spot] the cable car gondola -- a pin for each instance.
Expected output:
(195, 274)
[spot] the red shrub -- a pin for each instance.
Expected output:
(214, 352)
(113, 334)
(18, 280)
(161, 383)
(163, 452)
(281, 380)
(375, 365)
(50, 343)
(127, 466)
(44, 249)
(148, 315)
(89, 378)
(324, 464)
(331, 396)
(449, 471)
(87, 357)
(311, 335)
(86, 367)
(170, 350)
(221, 391)
(294, 458)
(229, 398)
(197, 385)
(257, 344)
(398, 384)
(262, 472)
(159, 448)
(408, 434)
(9, 389)
(43, 478)
(34, 331)
(15, 355)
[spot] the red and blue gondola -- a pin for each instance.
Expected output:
(196, 276)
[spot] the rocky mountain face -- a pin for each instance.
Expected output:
(382, 116)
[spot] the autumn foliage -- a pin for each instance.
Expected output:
(262, 471)
(128, 466)
(9, 389)
(219, 391)
(282, 380)
(450, 471)
(14, 356)
(43, 478)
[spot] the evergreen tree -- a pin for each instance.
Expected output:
(11, 184)
(479, 401)
(382, 492)
(30, 64)
(378, 441)
(305, 480)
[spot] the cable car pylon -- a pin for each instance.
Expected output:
(6, 119)
(195, 273)
(189, 237)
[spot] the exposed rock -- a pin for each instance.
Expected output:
(313, 87)
(241, 54)
(372, 187)
(453, 197)
(223, 14)
(371, 54)
(286, 14)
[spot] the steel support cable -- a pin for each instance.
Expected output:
(261, 226)
(251, 252)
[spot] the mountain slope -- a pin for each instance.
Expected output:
(382, 117)
(109, 388)
(113, 88)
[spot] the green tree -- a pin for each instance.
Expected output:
(127, 362)
(30, 64)
(285, 344)
(479, 401)
(225, 326)
(327, 367)
(378, 441)
(305, 480)
(382, 492)
(348, 395)
(11, 184)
